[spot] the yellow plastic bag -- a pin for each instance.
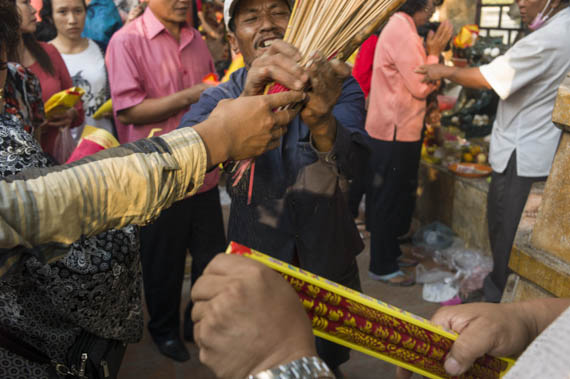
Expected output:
(104, 110)
(63, 101)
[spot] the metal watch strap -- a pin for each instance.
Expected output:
(304, 368)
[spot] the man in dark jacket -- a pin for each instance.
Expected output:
(296, 210)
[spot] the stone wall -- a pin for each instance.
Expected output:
(459, 12)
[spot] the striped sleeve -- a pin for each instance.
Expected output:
(130, 184)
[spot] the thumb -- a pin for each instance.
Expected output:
(284, 98)
(430, 35)
(470, 345)
(420, 69)
(341, 69)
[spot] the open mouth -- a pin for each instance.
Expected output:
(266, 42)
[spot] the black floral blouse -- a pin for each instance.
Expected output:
(23, 99)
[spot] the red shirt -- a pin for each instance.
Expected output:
(362, 70)
(52, 84)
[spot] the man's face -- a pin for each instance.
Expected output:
(530, 8)
(170, 11)
(258, 22)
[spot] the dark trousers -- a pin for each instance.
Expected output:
(390, 200)
(193, 224)
(507, 198)
(356, 190)
(333, 354)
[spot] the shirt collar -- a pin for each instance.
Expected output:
(409, 19)
(154, 27)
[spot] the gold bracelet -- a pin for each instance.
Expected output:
(1, 93)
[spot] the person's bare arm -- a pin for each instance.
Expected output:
(470, 77)
(157, 110)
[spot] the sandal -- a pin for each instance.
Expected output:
(398, 278)
(404, 261)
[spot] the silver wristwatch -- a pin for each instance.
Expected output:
(304, 368)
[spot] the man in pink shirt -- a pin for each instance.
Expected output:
(156, 65)
(394, 122)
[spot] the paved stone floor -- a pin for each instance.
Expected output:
(143, 361)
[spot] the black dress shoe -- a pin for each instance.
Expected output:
(173, 348)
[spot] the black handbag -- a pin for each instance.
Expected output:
(95, 357)
(90, 357)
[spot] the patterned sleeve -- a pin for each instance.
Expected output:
(35, 103)
(130, 184)
(24, 97)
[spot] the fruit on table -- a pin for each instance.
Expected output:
(474, 150)
(481, 158)
(468, 157)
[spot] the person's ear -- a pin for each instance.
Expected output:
(233, 42)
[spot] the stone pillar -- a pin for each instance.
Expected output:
(552, 230)
(541, 261)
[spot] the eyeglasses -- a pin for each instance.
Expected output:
(430, 8)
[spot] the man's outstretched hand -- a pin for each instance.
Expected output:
(247, 126)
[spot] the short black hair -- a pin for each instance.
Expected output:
(9, 27)
(411, 7)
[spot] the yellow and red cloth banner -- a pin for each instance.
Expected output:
(92, 141)
(355, 320)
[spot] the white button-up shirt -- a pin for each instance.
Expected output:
(527, 78)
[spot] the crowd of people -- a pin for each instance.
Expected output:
(75, 237)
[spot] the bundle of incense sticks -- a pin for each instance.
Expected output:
(336, 28)
(352, 319)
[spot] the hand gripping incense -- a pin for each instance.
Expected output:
(336, 28)
(352, 319)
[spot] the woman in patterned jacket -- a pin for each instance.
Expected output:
(95, 288)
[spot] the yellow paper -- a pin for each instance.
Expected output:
(62, 101)
(103, 110)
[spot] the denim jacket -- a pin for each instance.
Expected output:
(298, 212)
